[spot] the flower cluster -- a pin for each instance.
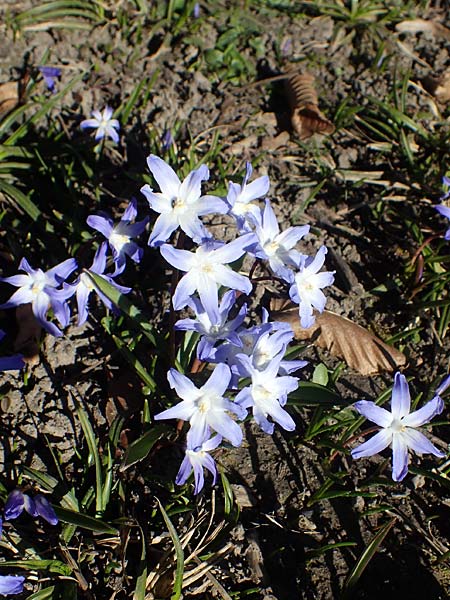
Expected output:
(215, 292)
(48, 292)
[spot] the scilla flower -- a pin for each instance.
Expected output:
(398, 427)
(103, 123)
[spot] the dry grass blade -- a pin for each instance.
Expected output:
(9, 97)
(360, 349)
(307, 119)
(420, 25)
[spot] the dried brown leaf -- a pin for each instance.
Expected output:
(9, 97)
(307, 119)
(361, 350)
(421, 25)
(439, 87)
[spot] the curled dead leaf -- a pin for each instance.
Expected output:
(360, 349)
(439, 86)
(9, 97)
(307, 119)
(421, 25)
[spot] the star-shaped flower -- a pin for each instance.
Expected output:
(239, 199)
(398, 427)
(205, 408)
(120, 235)
(306, 288)
(180, 204)
(103, 122)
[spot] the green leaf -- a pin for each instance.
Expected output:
(178, 583)
(22, 201)
(313, 394)
(84, 521)
(45, 594)
(320, 375)
(365, 558)
(52, 566)
(141, 580)
(135, 363)
(137, 316)
(140, 448)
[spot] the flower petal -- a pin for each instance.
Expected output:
(191, 188)
(11, 584)
(399, 457)
(167, 179)
(374, 445)
(425, 414)
(420, 443)
(374, 413)
(401, 400)
(102, 224)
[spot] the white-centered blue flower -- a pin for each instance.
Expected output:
(41, 290)
(398, 427)
(239, 199)
(275, 247)
(84, 285)
(307, 284)
(206, 269)
(179, 204)
(213, 328)
(104, 124)
(196, 459)
(267, 394)
(120, 235)
(205, 408)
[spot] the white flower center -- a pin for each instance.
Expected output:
(271, 248)
(261, 394)
(118, 240)
(204, 405)
(87, 282)
(397, 426)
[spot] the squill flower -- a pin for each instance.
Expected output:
(398, 427)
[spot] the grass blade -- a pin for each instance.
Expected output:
(178, 583)
(365, 558)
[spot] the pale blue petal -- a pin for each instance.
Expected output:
(425, 414)
(401, 400)
(207, 205)
(163, 228)
(21, 296)
(17, 280)
(185, 288)
(10, 584)
(102, 224)
(183, 386)
(183, 410)
(419, 443)
(191, 188)
(256, 189)
(167, 179)
(184, 471)
(130, 212)
(229, 278)
(226, 427)
(374, 413)
(60, 272)
(399, 457)
(180, 259)
(218, 381)
(374, 445)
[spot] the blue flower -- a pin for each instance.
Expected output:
(103, 123)
(239, 199)
(180, 204)
(398, 426)
(215, 327)
(307, 284)
(206, 269)
(197, 459)
(85, 285)
(50, 75)
(275, 247)
(11, 584)
(17, 502)
(267, 394)
(120, 235)
(205, 408)
(41, 290)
